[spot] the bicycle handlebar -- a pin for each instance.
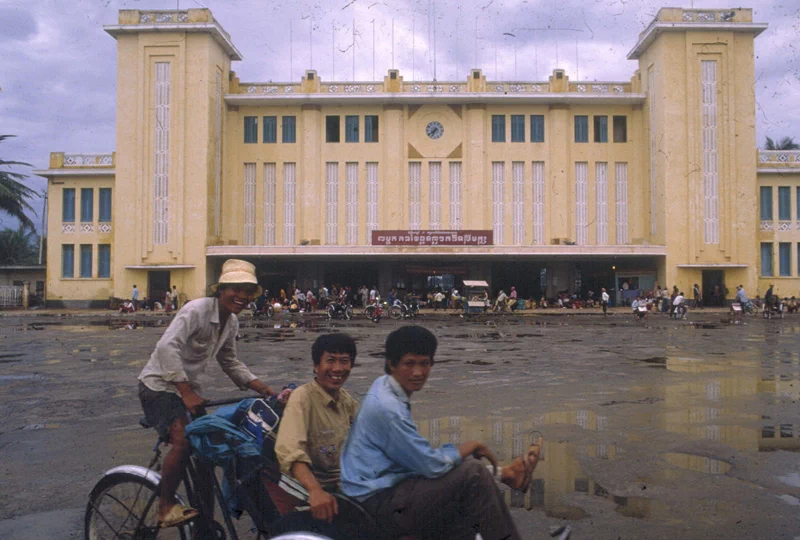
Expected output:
(228, 401)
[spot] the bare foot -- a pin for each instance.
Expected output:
(518, 474)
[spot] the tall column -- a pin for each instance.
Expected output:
(310, 188)
(476, 190)
(560, 208)
(393, 171)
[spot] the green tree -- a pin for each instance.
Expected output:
(14, 195)
(19, 246)
(787, 143)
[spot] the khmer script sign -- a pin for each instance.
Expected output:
(432, 238)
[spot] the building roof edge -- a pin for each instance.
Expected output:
(655, 28)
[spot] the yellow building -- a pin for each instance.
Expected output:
(546, 185)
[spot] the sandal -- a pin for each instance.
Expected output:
(177, 515)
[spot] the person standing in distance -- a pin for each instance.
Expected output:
(168, 385)
(135, 298)
(604, 298)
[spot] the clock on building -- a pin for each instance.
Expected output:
(434, 130)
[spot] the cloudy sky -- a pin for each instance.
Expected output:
(58, 66)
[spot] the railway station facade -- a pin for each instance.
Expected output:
(546, 185)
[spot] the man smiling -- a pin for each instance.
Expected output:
(410, 487)
(315, 424)
(168, 385)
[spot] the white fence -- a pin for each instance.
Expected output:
(10, 296)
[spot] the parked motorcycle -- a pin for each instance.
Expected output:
(772, 310)
(374, 311)
(265, 311)
(335, 310)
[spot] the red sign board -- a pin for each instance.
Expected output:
(432, 238)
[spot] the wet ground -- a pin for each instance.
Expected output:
(663, 429)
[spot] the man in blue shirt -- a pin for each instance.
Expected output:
(410, 487)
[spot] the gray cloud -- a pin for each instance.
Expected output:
(58, 66)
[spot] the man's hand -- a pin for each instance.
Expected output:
(477, 450)
(258, 386)
(190, 398)
(323, 505)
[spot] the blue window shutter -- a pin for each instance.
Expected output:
(371, 128)
(270, 129)
(351, 129)
(537, 128)
(86, 260)
(251, 129)
(785, 257)
(766, 203)
(498, 128)
(67, 261)
(517, 128)
(87, 205)
(784, 203)
(289, 129)
(581, 129)
(104, 260)
(766, 259)
(68, 208)
(104, 215)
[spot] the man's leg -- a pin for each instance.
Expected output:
(460, 504)
(172, 466)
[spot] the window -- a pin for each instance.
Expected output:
(517, 128)
(351, 128)
(581, 129)
(87, 205)
(620, 129)
(784, 203)
(104, 260)
(785, 259)
(537, 128)
(270, 131)
(371, 128)
(270, 203)
(86, 260)
(766, 259)
(67, 261)
(68, 208)
(331, 202)
(331, 129)
(289, 129)
(766, 203)
(601, 129)
(105, 205)
(251, 129)
(498, 128)
(414, 194)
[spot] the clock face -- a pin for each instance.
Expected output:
(434, 130)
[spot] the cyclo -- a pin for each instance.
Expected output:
(239, 440)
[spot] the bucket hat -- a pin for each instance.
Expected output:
(237, 271)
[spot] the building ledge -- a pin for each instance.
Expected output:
(652, 32)
(435, 97)
(161, 267)
(461, 251)
(74, 171)
(213, 28)
(713, 265)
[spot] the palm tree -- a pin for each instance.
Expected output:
(14, 195)
(787, 143)
(19, 246)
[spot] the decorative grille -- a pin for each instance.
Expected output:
(372, 199)
(710, 157)
(331, 202)
(249, 204)
(581, 206)
(414, 194)
(518, 202)
(455, 195)
(538, 202)
(161, 155)
(269, 204)
(498, 194)
(289, 183)
(621, 195)
(435, 195)
(601, 208)
(351, 218)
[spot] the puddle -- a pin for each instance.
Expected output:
(791, 479)
(696, 463)
(9, 378)
(792, 501)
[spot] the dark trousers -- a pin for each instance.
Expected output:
(458, 505)
(605, 307)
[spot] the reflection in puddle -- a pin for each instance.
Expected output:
(696, 463)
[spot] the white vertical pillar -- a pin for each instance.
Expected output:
(498, 194)
(455, 195)
(538, 202)
(651, 81)
(351, 210)
(601, 202)
(581, 206)
(372, 199)
(621, 189)
(218, 155)
(249, 237)
(414, 195)
(331, 202)
(269, 204)
(518, 202)
(161, 154)
(435, 195)
(289, 203)
(710, 156)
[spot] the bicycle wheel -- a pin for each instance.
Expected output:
(123, 506)
(396, 312)
(331, 311)
(369, 312)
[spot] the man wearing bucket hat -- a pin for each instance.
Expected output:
(168, 385)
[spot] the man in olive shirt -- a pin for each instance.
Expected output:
(315, 424)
